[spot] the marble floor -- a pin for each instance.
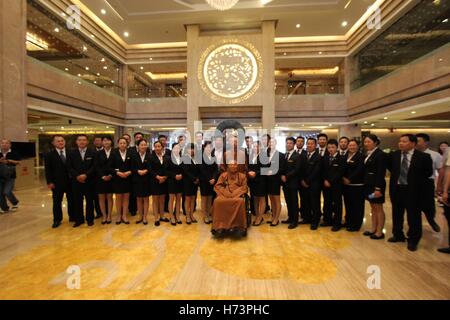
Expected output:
(185, 262)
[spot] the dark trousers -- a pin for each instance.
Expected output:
(354, 199)
(332, 207)
(447, 216)
(132, 205)
(401, 201)
(98, 211)
(291, 197)
(83, 191)
(58, 195)
(311, 201)
(302, 207)
(427, 201)
(6, 192)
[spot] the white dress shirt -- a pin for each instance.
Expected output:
(437, 162)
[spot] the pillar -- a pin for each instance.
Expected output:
(13, 102)
(193, 111)
(351, 131)
(268, 56)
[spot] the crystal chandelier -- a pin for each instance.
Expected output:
(222, 5)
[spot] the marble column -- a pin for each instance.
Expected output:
(193, 112)
(350, 131)
(268, 55)
(13, 102)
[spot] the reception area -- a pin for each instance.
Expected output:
(224, 150)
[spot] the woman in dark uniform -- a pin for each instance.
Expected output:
(140, 165)
(273, 185)
(208, 177)
(104, 185)
(121, 163)
(191, 181)
(175, 183)
(160, 165)
(257, 183)
(375, 184)
(354, 193)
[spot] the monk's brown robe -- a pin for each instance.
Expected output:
(229, 206)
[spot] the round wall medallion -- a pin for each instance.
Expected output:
(230, 72)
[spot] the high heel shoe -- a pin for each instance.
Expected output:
(375, 237)
(118, 222)
(258, 224)
(104, 222)
(139, 221)
(125, 222)
(179, 222)
(368, 233)
(275, 224)
(145, 223)
(157, 223)
(164, 220)
(173, 223)
(188, 222)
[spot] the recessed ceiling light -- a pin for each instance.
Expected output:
(67, 69)
(385, 118)
(365, 122)
(95, 82)
(373, 124)
(348, 4)
(344, 23)
(79, 74)
(298, 25)
(437, 2)
(56, 29)
(105, 67)
(112, 81)
(445, 20)
(63, 14)
(413, 112)
(103, 60)
(103, 11)
(284, 53)
(87, 68)
(126, 34)
(85, 48)
(150, 59)
(142, 68)
(320, 52)
(92, 36)
(440, 59)
(98, 74)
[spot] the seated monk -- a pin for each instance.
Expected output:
(229, 207)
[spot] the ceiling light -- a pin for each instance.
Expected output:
(103, 60)
(437, 2)
(222, 5)
(373, 124)
(105, 67)
(413, 112)
(87, 68)
(126, 34)
(92, 36)
(95, 82)
(79, 74)
(445, 20)
(348, 4)
(103, 11)
(298, 25)
(67, 69)
(98, 74)
(34, 43)
(365, 122)
(284, 53)
(320, 52)
(150, 59)
(344, 23)
(85, 48)
(385, 118)
(142, 68)
(56, 30)
(112, 81)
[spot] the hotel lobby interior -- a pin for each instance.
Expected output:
(346, 68)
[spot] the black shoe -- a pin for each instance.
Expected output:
(125, 222)
(274, 224)
(368, 233)
(286, 221)
(314, 226)
(336, 228)
(133, 214)
(179, 222)
(56, 225)
(157, 223)
(108, 222)
(435, 226)
(258, 224)
(444, 250)
(77, 224)
(375, 237)
(118, 222)
(90, 223)
(412, 247)
(72, 220)
(104, 222)
(293, 226)
(394, 239)
(139, 221)
(164, 220)
(173, 223)
(145, 223)
(326, 224)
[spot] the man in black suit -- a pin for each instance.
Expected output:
(98, 144)
(299, 149)
(311, 183)
(322, 140)
(409, 170)
(58, 180)
(289, 178)
(80, 163)
(333, 165)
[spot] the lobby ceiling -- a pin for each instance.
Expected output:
(163, 21)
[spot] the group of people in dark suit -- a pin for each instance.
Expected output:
(339, 171)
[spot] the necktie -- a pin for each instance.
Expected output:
(287, 156)
(403, 179)
(331, 160)
(82, 155)
(342, 153)
(309, 155)
(63, 157)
